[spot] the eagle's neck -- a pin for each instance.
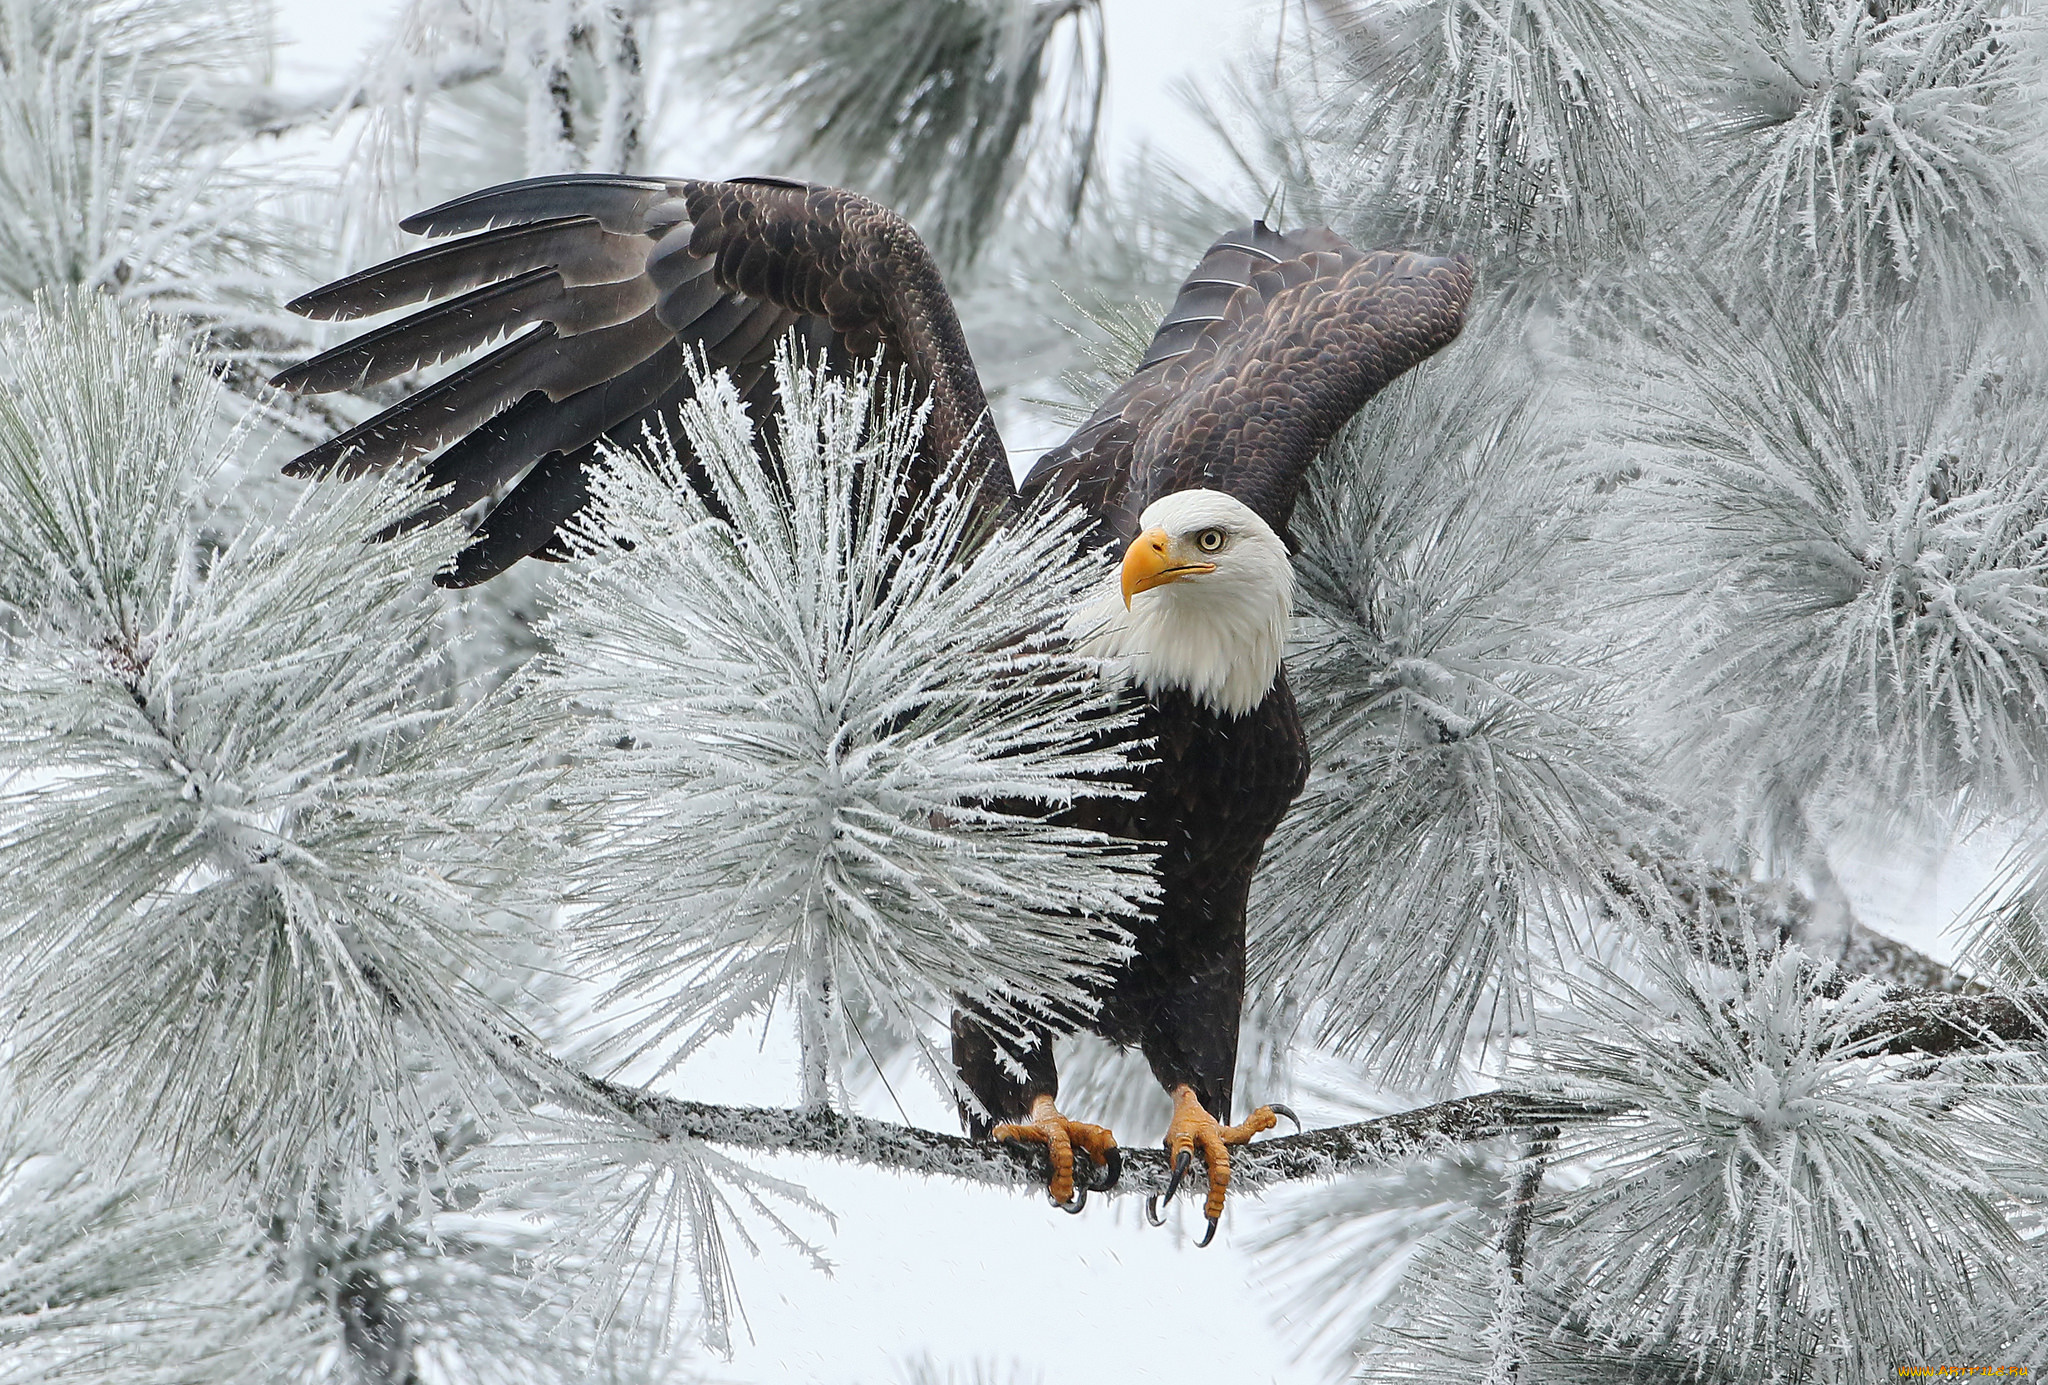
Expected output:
(1219, 640)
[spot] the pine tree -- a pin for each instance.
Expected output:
(1714, 547)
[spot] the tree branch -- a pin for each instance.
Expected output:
(268, 111)
(1913, 1023)
(1510, 1288)
(1929, 1022)
(1521, 1211)
(1312, 1154)
(1729, 913)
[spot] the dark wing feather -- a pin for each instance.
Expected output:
(620, 201)
(608, 282)
(445, 330)
(449, 407)
(576, 248)
(537, 426)
(526, 523)
(1273, 343)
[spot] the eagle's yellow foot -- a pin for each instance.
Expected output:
(1061, 1137)
(1194, 1129)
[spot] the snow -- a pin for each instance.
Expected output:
(966, 1274)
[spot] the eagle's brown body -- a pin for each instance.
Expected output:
(1274, 342)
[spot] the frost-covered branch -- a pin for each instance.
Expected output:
(1312, 1154)
(1937, 1024)
(1727, 915)
(1919, 1024)
(1510, 1252)
(269, 111)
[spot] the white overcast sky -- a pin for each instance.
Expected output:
(1151, 43)
(964, 1274)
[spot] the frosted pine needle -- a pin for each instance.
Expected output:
(1836, 546)
(1469, 787)
(1861, 148)
(101, 1282)
(117, 175)
(828, 752)
(1808, 1193)
(1532, 127)
(943, 109)
(246, 868)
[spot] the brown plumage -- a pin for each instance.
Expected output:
(605, 284)
(1273, 343)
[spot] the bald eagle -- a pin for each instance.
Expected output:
(1191, 469)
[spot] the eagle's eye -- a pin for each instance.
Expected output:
(1210, 540)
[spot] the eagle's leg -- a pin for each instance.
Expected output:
(1182, 1002)
(1194, 1131)
(1020, 1106)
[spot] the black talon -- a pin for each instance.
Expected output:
(1072, 1207)
(1288, 1111)
(1104, 1176)
(1180, 1170)
(1209, 1235)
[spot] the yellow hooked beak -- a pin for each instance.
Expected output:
(1151, 562)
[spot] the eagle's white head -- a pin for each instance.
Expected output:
(1202, 603)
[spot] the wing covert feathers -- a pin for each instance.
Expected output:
(603, 285)
(1273, 343)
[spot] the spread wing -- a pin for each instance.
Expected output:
(1274, 342)
(599, 287)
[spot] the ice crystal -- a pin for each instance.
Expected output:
(830, 750)
(244, 874)
(1812, 1195)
